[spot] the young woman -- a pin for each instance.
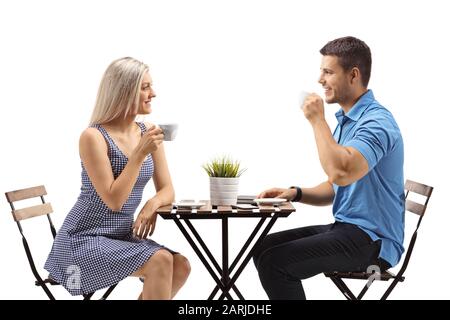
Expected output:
(98, 244)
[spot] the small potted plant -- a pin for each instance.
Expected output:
(224, 174)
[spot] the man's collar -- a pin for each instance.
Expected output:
(358, 108)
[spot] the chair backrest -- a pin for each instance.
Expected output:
(419, 188)
(30, 212)
(417, 208)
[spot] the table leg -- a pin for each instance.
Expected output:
(203, 245)
(212, 259)
(194, 246)
(249, 255)
(239, 256)
(225, 271)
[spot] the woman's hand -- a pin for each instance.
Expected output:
(287, 194)
(150, 141)
(145, 223)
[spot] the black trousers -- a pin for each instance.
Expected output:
(285, 258)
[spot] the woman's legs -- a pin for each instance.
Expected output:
(164, 274)
(157, 273)
(181, 270)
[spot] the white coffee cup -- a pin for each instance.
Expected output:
(301, 97)
(169, 130)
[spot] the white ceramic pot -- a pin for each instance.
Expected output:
(223, 191)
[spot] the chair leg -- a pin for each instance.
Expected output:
(364, 290)
(88, 296)
(104, 296)
(108, 292)
(350, 296)
(39, 280)
(343, 287)
(389, 290)
(47, 290)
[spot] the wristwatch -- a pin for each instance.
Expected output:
(298, 195)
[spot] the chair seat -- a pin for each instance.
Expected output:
(385, 275)
(48, 280)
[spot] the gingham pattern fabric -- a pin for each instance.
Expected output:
(95, 248)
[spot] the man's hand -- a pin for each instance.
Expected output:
(287, 194)
(313, 108)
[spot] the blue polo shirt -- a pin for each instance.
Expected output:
(376, 202)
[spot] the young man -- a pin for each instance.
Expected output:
(363, 160)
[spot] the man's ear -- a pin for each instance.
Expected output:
(355, 75)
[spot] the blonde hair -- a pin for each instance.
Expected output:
(119, 91)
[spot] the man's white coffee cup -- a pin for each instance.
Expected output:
(301, 97)
(169, 130)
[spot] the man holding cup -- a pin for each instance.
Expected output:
(363, 160)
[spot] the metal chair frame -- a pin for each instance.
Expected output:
(411, 206)
(30, 212)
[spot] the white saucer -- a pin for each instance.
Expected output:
(189, 204)
(270, 201)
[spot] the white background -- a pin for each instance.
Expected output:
(229, 72)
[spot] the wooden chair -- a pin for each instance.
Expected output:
(32, 212)
(371, 275)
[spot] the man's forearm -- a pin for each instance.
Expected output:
(321, 195)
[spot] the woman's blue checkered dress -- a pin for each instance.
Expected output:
(95, 247)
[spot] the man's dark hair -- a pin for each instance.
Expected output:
(351, 52)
